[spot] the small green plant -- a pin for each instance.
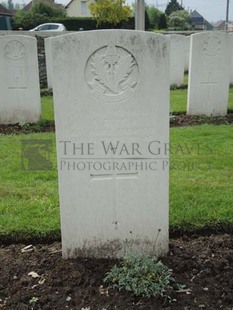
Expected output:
(142, 275)
(33, 301)
(40, 126)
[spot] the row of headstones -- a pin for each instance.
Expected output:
(209, 59)
(206, 54)
(180, 57)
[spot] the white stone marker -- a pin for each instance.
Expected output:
(177, 56)
(112, 87)
(209, 74)
(48, 58)
(19, 80)
(186, 53)
(230, 38)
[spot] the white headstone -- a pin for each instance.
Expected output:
(177, 56)
(230, 38)
(186, 53)
(140, 15)
(19, 80)
(112, 87)
(209, 74)
(48, 58)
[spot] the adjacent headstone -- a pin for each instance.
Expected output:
(48, 58)
(19, 80)
(177, 56)
(209, 74)
(186, 53)
(112, 126)
(230, 38)
(140, 15)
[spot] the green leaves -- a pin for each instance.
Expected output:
(142, 275)
(110, 11)
(39, 13)
(173, 6)
(179, 20)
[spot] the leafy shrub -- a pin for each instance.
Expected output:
(27, 20)
(153, 16)
(110, 11)
(39, 13)
(162, 24)
(141, 275)
(47, 10)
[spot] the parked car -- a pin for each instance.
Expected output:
(49, 27)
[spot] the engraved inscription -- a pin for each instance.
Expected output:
(112, 74)
(16, 77)
(212, 46)
(14, 50)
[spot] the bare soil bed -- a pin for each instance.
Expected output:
(203, 263)
(175, 121)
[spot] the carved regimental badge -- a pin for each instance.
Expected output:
(112, 74)
(14, 50)
(212, 46)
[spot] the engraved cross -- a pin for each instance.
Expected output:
(115, 178)
(211, 82)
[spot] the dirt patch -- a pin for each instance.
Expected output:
(42, 126)
(175, 121)
(190, 120)
(203, 264)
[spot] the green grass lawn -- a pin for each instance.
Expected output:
(201, 185)
(28, 200)
(47, 108)
(178, 103)
(178, 100)
(186, 79)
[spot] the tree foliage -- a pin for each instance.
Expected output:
(179, 20)
(153, 15)
(39, 13)
(110, 11)
(173, 6)
(162, 21)
(47, 10)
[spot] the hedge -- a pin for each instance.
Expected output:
(89, 23)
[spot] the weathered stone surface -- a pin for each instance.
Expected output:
(111, 96)
(177, 56)
(209, 74)
(19, 80)
(230, 38)
(186, 53)
(48, 57)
